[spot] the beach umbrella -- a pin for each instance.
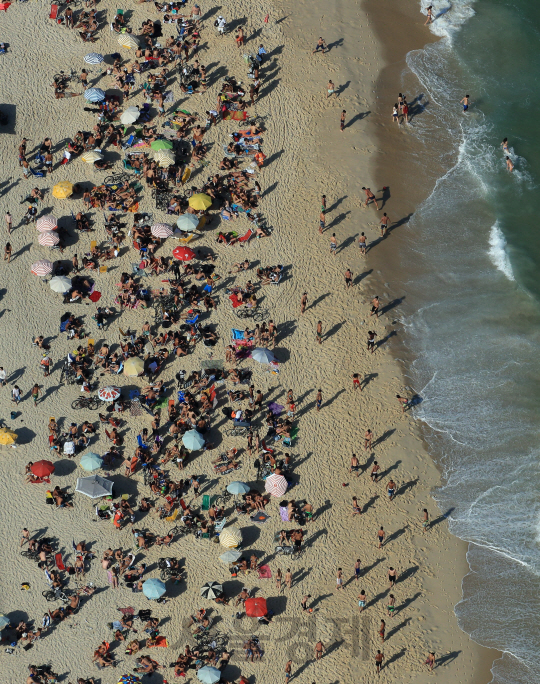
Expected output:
(237, 488)
(91, 156)
(94, 95)
(48, 239)
(60, 284)
(94, 486)
(276, 485)
(130, 116)
(262, 355)
(4, 621)
(129, 679)
(153, 588)
(162, 230)
(46, 223)
(211, 590)
(42, 468)
(187, 222)
(63, 190)
(209, 674)
(109, 393)
(42, 268)
(183, 253)
(133, 367)
(230, 537)
(161, 145)
(230, 556)
(255, 607)
(7, 436)
(91, 461)
(193, 440)
(93, 58)
(200, 201)
(165, 158)
(128, 41)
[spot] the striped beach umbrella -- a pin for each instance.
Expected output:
(230, 538)
(128, 41)
(276, 485)
(42, 268)
(109, 393)
(164, 158)
(93, 58)
(94, 95)
(91, 156)
(47, 222)
(162, 230)
(48, 239)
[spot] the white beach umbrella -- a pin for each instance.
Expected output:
(93, 58)
(130, 116)
(60, 284)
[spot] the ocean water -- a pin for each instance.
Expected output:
(472, 309)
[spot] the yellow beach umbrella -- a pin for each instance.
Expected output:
(62, 190)
(231, 537)
(200, 202)
(91, 156)
(164, 158)
(128, 41)
(7, 436)
(133, 367)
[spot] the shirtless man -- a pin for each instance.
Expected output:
(375, 306)
(320, 47)
(385, 221)
(303, 303)
(319, 650)
(362, 243)
(374, 475)
(370, 197)
(367, 440)
(348, 278)
(355, 465)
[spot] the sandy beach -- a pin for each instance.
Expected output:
(307, 157)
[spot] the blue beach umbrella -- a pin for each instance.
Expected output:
(4, 621)
(193, 440)
(209, 675)
(91, 461)
(153, 588)
(237, 488)
(94, 95)
(93, 58)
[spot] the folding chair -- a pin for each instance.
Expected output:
(59, 562)
(192, 321)
(90, 343)
(245, 238)
(173, 516)
(218, 527)
(184, 241)
(182, 503)
(52, 15)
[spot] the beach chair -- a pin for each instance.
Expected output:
(287, 441)
(192, 321)
(184, 241)
(245, 238)
(93, 244)
(52, 15)
(173, 516)
(182, 503)
(59, 562)
(218, 527)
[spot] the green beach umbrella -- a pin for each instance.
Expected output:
(161, 145)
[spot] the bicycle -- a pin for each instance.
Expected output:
(118, 179)
(91, 403)
(255, 314)
(68, 375)
(180, 530)
(55, 595)
(74, 76)
(33, 555)
(223, 498)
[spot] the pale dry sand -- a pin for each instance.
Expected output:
(308, 157)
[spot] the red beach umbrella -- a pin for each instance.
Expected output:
(42, 468)
(183, 253)
(255, 607)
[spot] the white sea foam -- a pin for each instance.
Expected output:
(449, 17)
(498, 251)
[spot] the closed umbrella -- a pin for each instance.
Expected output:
(230, 537)
(94, 486)
(164, 158)
(161, 145)
(187, 222)
(162, 230)
(262, 355)
(128, 41)
(93, 58)
(42, 468)
(256, 607)
(193, 440)
(230, 556)
(109, 393)
(91, 461)
(276, 485)
(133, 367)
(62, 190)
(211, 590)
(94, 95)
(130, 116)
(7, 436)
(60, 284)
(91, 156)
(42, 268)
(237, 488)
(200, 202)
(47, 222)
(153, 588)
(183, 253)
(48, 239)
(209, 674)
(4, 621)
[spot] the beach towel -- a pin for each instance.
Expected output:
(234, 116)
(260, 517)
(235, 302)
(275, 408)
(159, 642)
(265, 572)
(237, 334)
(284, 513)
(95, 296)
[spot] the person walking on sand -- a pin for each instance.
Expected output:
(362, 243)
(362, 601)
(391, 607)
(375, 306)
(318, 399)
(35, 393)
(380, 536)
(348, 278)
(322, 222)
(16, 394)
(356, 508)
(304, 602)
(318, 335)
(342, 121)
(355, 465)
(333, 244)
(370, 197)
(320, 47)
(425, 520)
(330, 90)
(303, 303)
(339, 579)
(374, 474)
(25, 537)
(279, 578)
(378, 661)
(382, 631)
(356, 382)
(429, 15)
(323, 203)
(357, 569)
(7, 252)
(465, 103)
(319, 650)
(288, 669)
(2, 376)
(509, 164)
(392, 577)
(367, 439)
(9, 222)
(403, 401)
(430, 661)
(385, 221)
(288, 578)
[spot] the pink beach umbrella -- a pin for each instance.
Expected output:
(42, 268)
(46, 223)
(162, 230)
(276, 485)
(48, 239)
